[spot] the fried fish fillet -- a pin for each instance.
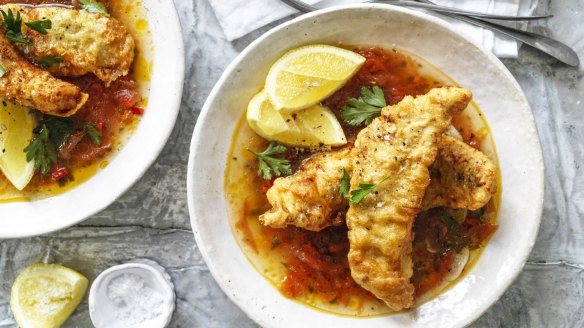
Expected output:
(461, 177)
(87, 42)
(395, 150)
(28, 85)
(310, 198)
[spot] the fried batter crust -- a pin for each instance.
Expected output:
(28, 85)
(399, 145)
(87, 42)
(461, 177)
(310, 198)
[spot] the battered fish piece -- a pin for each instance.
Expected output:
(461, 177)
(310, 198)
(396, 148)
(87, 42)
(28, 85)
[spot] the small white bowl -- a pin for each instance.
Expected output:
(437, 42)
(23, 219)
(102, 308)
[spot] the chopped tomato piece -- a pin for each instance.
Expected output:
(137, 110)
(59, 172)
(127, 98)
(267, 185)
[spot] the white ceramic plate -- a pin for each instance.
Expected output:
(495, 91)
(22, 219)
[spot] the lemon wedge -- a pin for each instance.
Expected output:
(45, 295)
(305, 76)
(16, 125)
(313, 126)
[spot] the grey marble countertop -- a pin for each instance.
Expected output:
(151, 219)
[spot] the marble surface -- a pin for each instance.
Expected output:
(151, 219)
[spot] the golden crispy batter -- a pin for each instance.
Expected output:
(310, 198)
(461, 177)
(399, 145)
(28, 85)
(87, 42)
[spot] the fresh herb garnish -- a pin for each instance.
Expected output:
(345, 184)
(40, 26)
(364, 189)
(50, 134)
(93, 7)
(270, 164)
(2, 71)
(49, 61)
(92, 133)
(13, 26)
(364, 109)
(42, 151)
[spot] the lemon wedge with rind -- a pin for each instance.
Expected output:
(16, 125)
(310, 127)
(305, 76)
(45, 295)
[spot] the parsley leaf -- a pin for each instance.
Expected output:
(364, 109)
(13, 26)
(40, 26)
(49, 61)
(42, 151)
(93, 7)
(270, 164)
(60, 129)
(92, 132)
(364, 189)
(345, 184)
(50, 134)
(2, 71)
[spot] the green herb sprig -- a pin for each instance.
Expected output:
(93, 134)
(13, 26)
(270, 166)
(49, 61)
(364, 189)
(40, 26)
(345, 184)
(51, 133)
(42, 151)
(2, 71)
(93, 7)
(364, 109)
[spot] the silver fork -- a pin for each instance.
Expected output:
(549, 46)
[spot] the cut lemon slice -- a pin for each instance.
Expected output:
(305, 76)
(313, 126)
(45, 295)
(16, 124)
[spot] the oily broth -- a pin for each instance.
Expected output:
(247, 201)
(133, 16)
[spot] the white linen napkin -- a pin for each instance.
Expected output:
(239, 17)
